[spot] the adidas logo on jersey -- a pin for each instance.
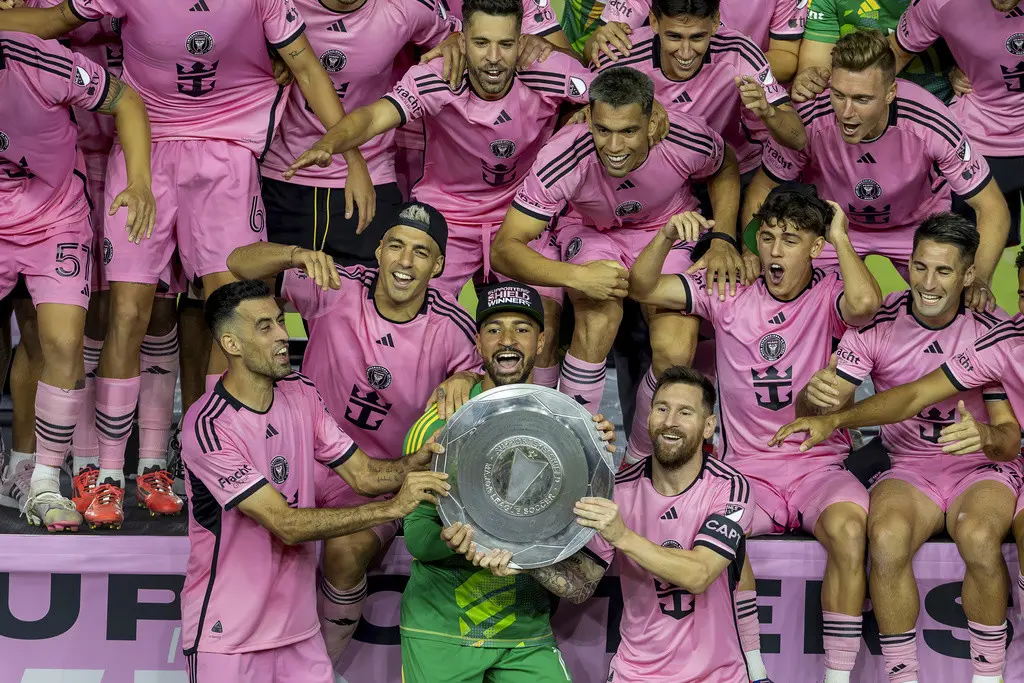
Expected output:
(866, 159)
(386, 340)
(200, 6)
(933, 348)
(671, 514)
(682, 99)
(503, 117)
(271, 431)
(778, 320)
(338, 27)
(628, 185)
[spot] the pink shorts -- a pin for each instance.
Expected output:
(56, 268)
(792, 494)
(469, 253)
(895, 245)
(303, 662)
(334, 492)
(207, 204)
(581, 244)
(945, 478)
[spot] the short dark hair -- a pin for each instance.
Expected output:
(222, 303)
(947, 227)
(623, 86)
(678, 374)
(701, 9)
(494, 8)
(864, 49)
(804, 210)
(1020, 259)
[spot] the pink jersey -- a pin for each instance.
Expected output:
(377, 375)
(895, 181)
(989, 47)
(762, 20)
(670, 635)
(895, 348)
(478, 150)
(202, 68)
(760, 371)
(568, 171)
(994, 358)
(244, 589)
(711, 93)
(357, 49)
(42, 181)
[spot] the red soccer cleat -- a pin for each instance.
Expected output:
(83, 487)
(107, 507)
(156, 493)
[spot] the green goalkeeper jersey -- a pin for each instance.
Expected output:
(450, 600)
(579, 19)
(828, 20)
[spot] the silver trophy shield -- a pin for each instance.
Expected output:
(518, 458)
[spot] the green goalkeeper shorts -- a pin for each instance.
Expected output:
(430, 661)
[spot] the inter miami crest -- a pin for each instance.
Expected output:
(5, 141)
(279, 469)
(628, 208)
(199, 43)
(765, 76)
(773, 347)
(1015, 44)
(108, 251)
(868, 190)
(333, 61)
(672, 544)
(573, 248)
(964, 151)
(378, 376)
(503, 149)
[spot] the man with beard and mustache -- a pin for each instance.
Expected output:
(380, 340)
(251, 446)
(465, 613)
(678, 522)
(988, 44)
(770, 340)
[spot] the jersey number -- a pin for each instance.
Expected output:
(674, 601)
(17, 171)
(68, 263)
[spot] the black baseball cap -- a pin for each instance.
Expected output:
(809, 192)
(426, 218)
(503, 297)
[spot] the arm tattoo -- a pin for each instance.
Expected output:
(296, 53)
(114, 93)
(574, 579)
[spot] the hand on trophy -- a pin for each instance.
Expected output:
(607, 430)
(497, 561)
(603, 515)
(459, 538)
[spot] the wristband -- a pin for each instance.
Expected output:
(724, 236)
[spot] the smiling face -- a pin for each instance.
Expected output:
(620, 135)
(492, 48)
(408, 259)
(678, 424)
(938, 276)
(786, 253)
(509, 344)
(684, 42)
(861, 101)
(256, 334)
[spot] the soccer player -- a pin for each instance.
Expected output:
(678, 522)
(927, 491)
(771, 338)
(995, 67)
(251, 448)
(829, 20)
(356, 42)
(619, 190)
(465, 613)
(47, 237)
(380, 341)
(890, 154)
(190, 67)
(775, 25)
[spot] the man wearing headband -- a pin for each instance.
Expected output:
(380, 341)
(770, 340)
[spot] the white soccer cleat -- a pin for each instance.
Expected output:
(53, 511)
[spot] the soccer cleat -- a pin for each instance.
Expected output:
(52, 510)
(156, 493)
(14, 489)
(83, 487)
(107, 507)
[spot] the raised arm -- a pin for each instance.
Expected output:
(861, 294)
(993, 218)
(647, 285)
(45, 22)
(783, 56)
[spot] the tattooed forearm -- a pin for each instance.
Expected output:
(114, 93)
(574, 579)
(295, 53)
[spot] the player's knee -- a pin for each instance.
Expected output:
(346, 559)
(129, 316)
(980, 543)
(60, 348)
(846, 534)
(598, 320)
(889, 541)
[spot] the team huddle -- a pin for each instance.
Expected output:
(176, 175)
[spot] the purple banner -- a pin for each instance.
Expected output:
(105, 610)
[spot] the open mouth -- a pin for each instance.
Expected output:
(670, 438)
(281, 355)
(402, 280)
(929, 299)
(849, 129)
(686, 64)
(492, 76)
(618, 161)
(775, 273)
(508, 361)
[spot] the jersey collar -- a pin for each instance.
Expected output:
(372, 289)
(649, 473)
(221, 390)
(910, 311)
